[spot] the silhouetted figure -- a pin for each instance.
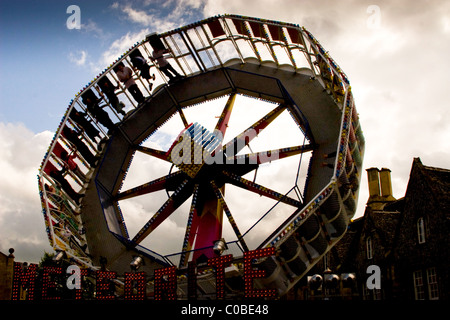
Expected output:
(109, 90)
(125, 75)
(99, 114)
(139, 63)
(79, 118)
(158, 54)
(70, 164)
(164, 65)
(79, 145)
(59, 199)
(58, 177)
(92, 103)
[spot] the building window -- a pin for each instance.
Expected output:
(433, 289)
(421, 230)
(419, 293)
(369, 248)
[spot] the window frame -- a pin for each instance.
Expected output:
(432, 283)
(369, 248)
(421, 235)
(419, 287)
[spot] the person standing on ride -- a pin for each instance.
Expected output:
(84, 124)
(164, 65)
(125, 75)
(70, 164)
(140, 64)
(109, 90)
(98, 113)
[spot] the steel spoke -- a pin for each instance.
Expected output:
(268, 156)
(243, 139)
(221, 199)
(167, 182)
(183, 118)
(191, 228)
(261, 190)
(222, 123)
(175, 200)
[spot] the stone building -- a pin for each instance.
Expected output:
(408, 239)
(423, 241)
(6, 274)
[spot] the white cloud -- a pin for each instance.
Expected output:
(21, 221)
(120, 46)
(92, 28)
(79, 58)
(115, 5)
(138, 16)
(169, 14)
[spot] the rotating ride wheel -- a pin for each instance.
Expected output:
(247, 139)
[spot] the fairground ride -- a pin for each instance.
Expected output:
(256, 144)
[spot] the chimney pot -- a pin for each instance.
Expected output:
(386, 184)
(374, 184)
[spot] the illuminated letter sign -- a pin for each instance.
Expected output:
(47, 282)
(165, 283)
(219, 263)
(103, 284)
(25, 279)
(139, 280)
(250, 273)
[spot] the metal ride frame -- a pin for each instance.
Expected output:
(231, 47)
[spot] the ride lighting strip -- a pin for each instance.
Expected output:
(314, 204)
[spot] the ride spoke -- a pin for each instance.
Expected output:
(191, 229)
(261, 190)
(224, 118)
(224, 205)
(268, 156)
(167, 182)
(175, 200)
(183, 118)
(243, 139)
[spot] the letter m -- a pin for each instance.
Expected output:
(23, 279)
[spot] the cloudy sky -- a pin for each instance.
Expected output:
(395, 54)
